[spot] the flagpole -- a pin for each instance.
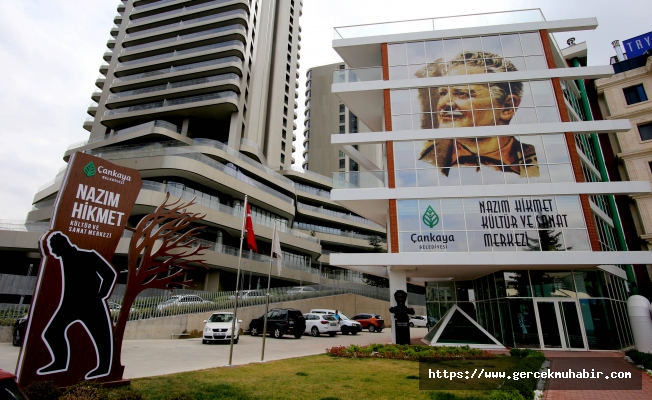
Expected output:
(237, 280)
(269, 281)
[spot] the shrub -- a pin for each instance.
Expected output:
(130, 395)
(408, 352)
(523, 353)
(640, 358)
(181, 396)
(505, 395)
(85, 390)
(531, 361)
(45, 390)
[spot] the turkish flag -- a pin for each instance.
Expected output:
(249, 228)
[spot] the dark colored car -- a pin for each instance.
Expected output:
(373, 322)
(280, 321)
(19, 331)
(9, 389)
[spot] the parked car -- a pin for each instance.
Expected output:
(280, 321)
(317, 324)
(372, 322)
(9, 389)
(218, 327)
(300, 290)
(347, 325)
(248, 294)
(19, 331)
(115, 307)
(181, 300)
(420, 321)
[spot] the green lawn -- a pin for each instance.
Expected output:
(314, 377)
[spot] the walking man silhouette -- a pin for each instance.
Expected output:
(87, 281)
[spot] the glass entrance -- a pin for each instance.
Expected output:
(559, 324)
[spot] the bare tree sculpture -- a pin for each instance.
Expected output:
(160, 252)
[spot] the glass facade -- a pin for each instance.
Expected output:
(504, 304)
(483, 161)
(550, 223)
(466, 56)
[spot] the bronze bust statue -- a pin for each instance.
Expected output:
(401, 311)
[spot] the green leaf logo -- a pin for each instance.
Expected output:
(89, 169)
(430, 218)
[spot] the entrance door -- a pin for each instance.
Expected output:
(559, 324)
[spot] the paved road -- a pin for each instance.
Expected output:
(153, 357)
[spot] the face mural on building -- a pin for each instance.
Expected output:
(474, 105)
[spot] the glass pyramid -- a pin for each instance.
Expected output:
(456, 328)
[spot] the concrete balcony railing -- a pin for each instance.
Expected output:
(174, 85)
(334, 231)
(360, 180)
(145, 126)
(189, 23)
(150, 5)
(309, 189)
(176, 11)
(185, 67)
(338, 214)
(172, 102)
(179, 38)
(432, 24)
(178, 53)
(358, 75)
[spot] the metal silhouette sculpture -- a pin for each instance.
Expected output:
(401, 317)
(87, 282)
(162, 249)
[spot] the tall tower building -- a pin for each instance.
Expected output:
(326, 114)
(199, 97)
(495, 194)
(216, 69)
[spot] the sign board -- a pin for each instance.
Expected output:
(69, 335)
(638, 45)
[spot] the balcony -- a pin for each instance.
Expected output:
(96, 95)
(117, 19)
(104, 68)
(115, 30)
(107, 56)
(431, 24)
(100, 81)
(210, 105)
(333, 231)
(150, 5)
(188, 23)
(128, 50)
(174, 12)
(360, 180)
(223, 62)
(146, 127)
(92, 109)
(337, 214)
(191, 51)
(358, 75)
(88, 124)
(111, 43)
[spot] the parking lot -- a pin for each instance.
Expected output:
(159, 357)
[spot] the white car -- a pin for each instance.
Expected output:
(347, 325)
(218, 327)
(420, 321)
(317, 324)
(248, 294)
(181, 300)
(301, 290)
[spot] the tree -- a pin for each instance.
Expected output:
(548, 240)
(376, 281)
(375, 243)
(162, 249)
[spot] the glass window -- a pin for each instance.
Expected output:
(599, 324)
(342, 129)
(635, 94)
(404, 155)
(645, 131)
(491, 44)
(396, 54)
(522, 320)
(511, 45)
(416, 53)
(531, 44)
(553, 284)
(434, 51)
(452, 48)
(400, 101)
(398, 72)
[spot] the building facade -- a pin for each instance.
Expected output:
(325, 113)
(199, 97)
(493, 194)
(626, 96)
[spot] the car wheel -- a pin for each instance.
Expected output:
(354, 332)
(235, 341)
(428, 327)
(332, 334)
(345, 330)
(254, 332)
(277, 333)
(314, 331)
(204, 341)
(411, 324)
(372, 328)
(16, 338)
(379, 330)
(298, 335)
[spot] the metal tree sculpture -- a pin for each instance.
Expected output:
(160, 251)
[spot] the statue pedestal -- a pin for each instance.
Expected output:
(402, 331)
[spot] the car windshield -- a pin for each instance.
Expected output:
(296, 289)
(329, 318)
(221, 318)
(343, 317)
(168, 301)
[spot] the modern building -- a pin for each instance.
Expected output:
(199, 97)
(625, 95)
(493, 194)
(325, 113)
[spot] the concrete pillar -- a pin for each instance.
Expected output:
(397, 281)
(184, 127)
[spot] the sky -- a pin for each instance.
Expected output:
(51, 51)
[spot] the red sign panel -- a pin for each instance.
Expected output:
(70, 335)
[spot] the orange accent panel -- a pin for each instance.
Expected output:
(393, 225)
(391, 181)
(590, 223)
(383, 53)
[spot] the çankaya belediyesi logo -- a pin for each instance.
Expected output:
(89, 169)
(430, 218)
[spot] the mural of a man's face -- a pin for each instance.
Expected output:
(467, 106)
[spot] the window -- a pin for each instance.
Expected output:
(287, 78)
(341, 153)
(342, 66)
(309, 74)
(645, 131)
(342, 163)
(353, 123)
(282, 158)
(342, 108)
(287, 89)
(353, 166)
(650, 164)
(285, 111)
(284, 134)
(283, 146)
(635, 94)
(342, 129)
(308, 93)
(285, 122)
(342, 119)
(286, 98)
(306, 134)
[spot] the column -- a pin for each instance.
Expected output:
(397, 281)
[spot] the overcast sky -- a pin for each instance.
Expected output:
(51, 51)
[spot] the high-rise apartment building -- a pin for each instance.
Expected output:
(199, 97)
(326, 114)
(494, 194)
